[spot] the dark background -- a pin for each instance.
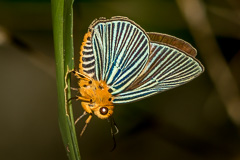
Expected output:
(199, 120)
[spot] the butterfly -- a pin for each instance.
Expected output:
(122, 63)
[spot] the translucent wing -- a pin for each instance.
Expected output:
(171, 64)
(121, 50)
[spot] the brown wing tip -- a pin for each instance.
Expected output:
(104, 19)
(174, 42)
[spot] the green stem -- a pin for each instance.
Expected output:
(62, 15)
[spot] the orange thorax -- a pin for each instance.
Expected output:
(97, 91)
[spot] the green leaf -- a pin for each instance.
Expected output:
(62, 15)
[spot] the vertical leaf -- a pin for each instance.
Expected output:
(62, 15)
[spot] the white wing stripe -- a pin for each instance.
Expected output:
(169, 68)
(121, 50)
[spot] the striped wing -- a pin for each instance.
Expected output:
(121, 50)
(168, 67)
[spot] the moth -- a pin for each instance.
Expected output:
(120, 63)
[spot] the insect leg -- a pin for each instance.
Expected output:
(81, 76)
(83, 99)
(87, 110)
(86, 107)
(72, 98)
(87, 121)
(74, 89)
(79, 98)
(80, 117)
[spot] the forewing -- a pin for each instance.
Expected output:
(168, 67)
(121, 49)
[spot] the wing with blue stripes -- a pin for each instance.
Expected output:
(121, 49)
(171, 63)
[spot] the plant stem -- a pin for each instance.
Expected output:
(62, 15)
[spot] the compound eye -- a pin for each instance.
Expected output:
(103, 110)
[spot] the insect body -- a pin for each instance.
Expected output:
(121, 63)
(99, 100)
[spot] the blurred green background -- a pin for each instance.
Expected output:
(199, 120)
